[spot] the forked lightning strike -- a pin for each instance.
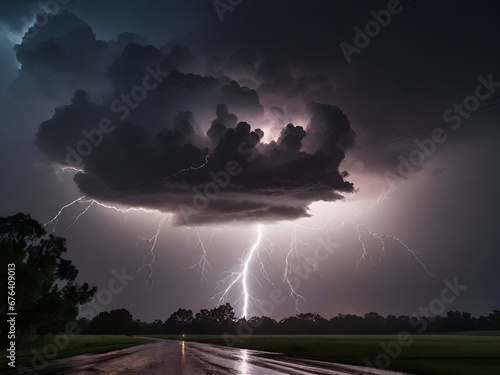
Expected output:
(203, 263)
(358, 226)
(81, 214)
(153, 240)
(297, 259)
(292, 263)
(241, 276)
(56, 218)
(245, 272)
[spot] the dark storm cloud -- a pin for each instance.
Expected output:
(286, 65)
(332, 140)
(241, 178)
(63, 55)
(404, 77)
(149, 144)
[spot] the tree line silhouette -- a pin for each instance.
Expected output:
(222, 319)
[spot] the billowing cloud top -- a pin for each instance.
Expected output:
(143, 132)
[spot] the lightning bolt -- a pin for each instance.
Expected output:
(381, 238)
(203, 263)
(152, 240)
(241, 277)
(297, 259)
(56, 218)
(81, 214)
(292, 263)
(244, 280)
(359, 227)
(60, 170)
(189, 169)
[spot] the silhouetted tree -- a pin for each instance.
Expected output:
(263, 325)
(155, 327)
(203, 322)
(346, 324)
(494, 319)
(179, 321)
(374, 323)
(289, 325)
(46, 293)
(223, 316)
(115, 322)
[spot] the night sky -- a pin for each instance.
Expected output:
(328, 156)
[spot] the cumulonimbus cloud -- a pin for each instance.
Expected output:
(164, 152)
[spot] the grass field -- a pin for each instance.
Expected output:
(476, 333)
(74, 345)
(455, 354)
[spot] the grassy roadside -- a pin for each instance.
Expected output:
(68, 346)
(427, 355)
(476, 333)
(468, 353)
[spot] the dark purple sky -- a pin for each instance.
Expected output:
(187, 110)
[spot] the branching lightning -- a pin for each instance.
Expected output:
(56, 218)
(241, 276)
(358, 226)
(292, 264)
(60, 169)
(297, 261)
(152, 240)
(245, 272)
(203, 263)
(81, 214)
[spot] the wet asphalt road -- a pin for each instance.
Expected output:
(189, 358)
